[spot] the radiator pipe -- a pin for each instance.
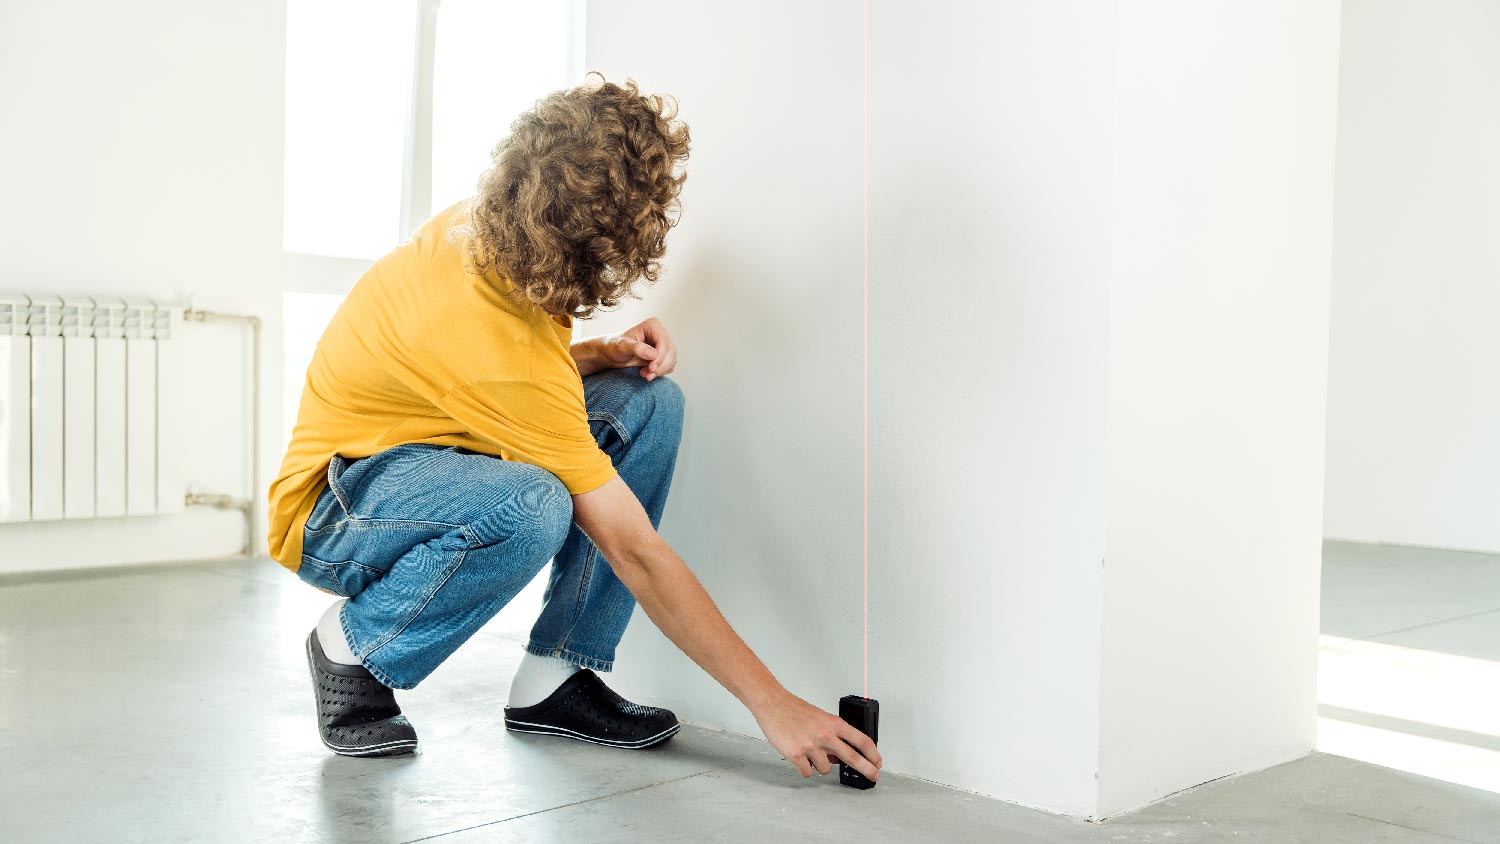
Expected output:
(251, 505)
(218, 502)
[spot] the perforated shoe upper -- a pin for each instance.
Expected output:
(357, 714)
(584, 707)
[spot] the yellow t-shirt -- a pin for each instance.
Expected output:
(424, 350)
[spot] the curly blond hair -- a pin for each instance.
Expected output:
(576, 206)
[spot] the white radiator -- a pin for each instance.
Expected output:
(78, 407)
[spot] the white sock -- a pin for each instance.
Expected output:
(331, 636)
(538, 677)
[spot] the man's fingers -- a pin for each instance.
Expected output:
(820, 760)
(654, 346)
(861, 742)
(665, 362)
(856, 760)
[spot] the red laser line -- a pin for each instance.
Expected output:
(866, 341)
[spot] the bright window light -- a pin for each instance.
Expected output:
(304, 317)
(348, 97)
(1412, 709)
(495, 59)
(351, 107)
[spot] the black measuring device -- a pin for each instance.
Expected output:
(864, 714)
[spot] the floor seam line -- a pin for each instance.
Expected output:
(1464, 617)
(236, 575)
(1412, 828)
(574, 803)
(91, 574)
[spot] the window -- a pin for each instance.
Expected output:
(348, 94)
(392, 109)
(304, 316)
(485, 76)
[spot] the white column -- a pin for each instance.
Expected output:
(1099, 244)
(1218, 331)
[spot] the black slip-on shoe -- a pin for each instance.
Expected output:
(584, 708)
(357, 715)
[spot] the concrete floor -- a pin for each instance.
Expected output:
(171, 704)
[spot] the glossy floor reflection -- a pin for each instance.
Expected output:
(171, 703)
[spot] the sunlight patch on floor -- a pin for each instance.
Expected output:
(1430, 713)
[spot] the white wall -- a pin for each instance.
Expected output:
(762, 293)
(1217, 359)
(142, 157)
(989, 247)
(1413, 401)
(1099, 246)
(989, 243)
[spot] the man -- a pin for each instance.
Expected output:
(452, 440)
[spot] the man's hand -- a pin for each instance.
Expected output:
(812, 739)
(647, 345)
(675, 601)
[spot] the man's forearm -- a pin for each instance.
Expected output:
(589, 356)
(677, 603)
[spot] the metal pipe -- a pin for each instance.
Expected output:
(251, 504)
(218, 502)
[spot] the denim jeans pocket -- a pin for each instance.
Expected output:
(345, 579)
(327, 511)
(355, 479)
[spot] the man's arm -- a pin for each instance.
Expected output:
(647, 345)
(676, 602)
(590, 355)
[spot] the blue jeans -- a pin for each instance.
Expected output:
(430, 542)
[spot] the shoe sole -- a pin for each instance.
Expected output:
(393, 748)
(387, 748)
(549, 730)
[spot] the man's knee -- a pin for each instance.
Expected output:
(635, 402)
(530, 518)
(667, 400)
(545, 510)
(660, 411)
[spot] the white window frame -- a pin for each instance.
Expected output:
(310, 273)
